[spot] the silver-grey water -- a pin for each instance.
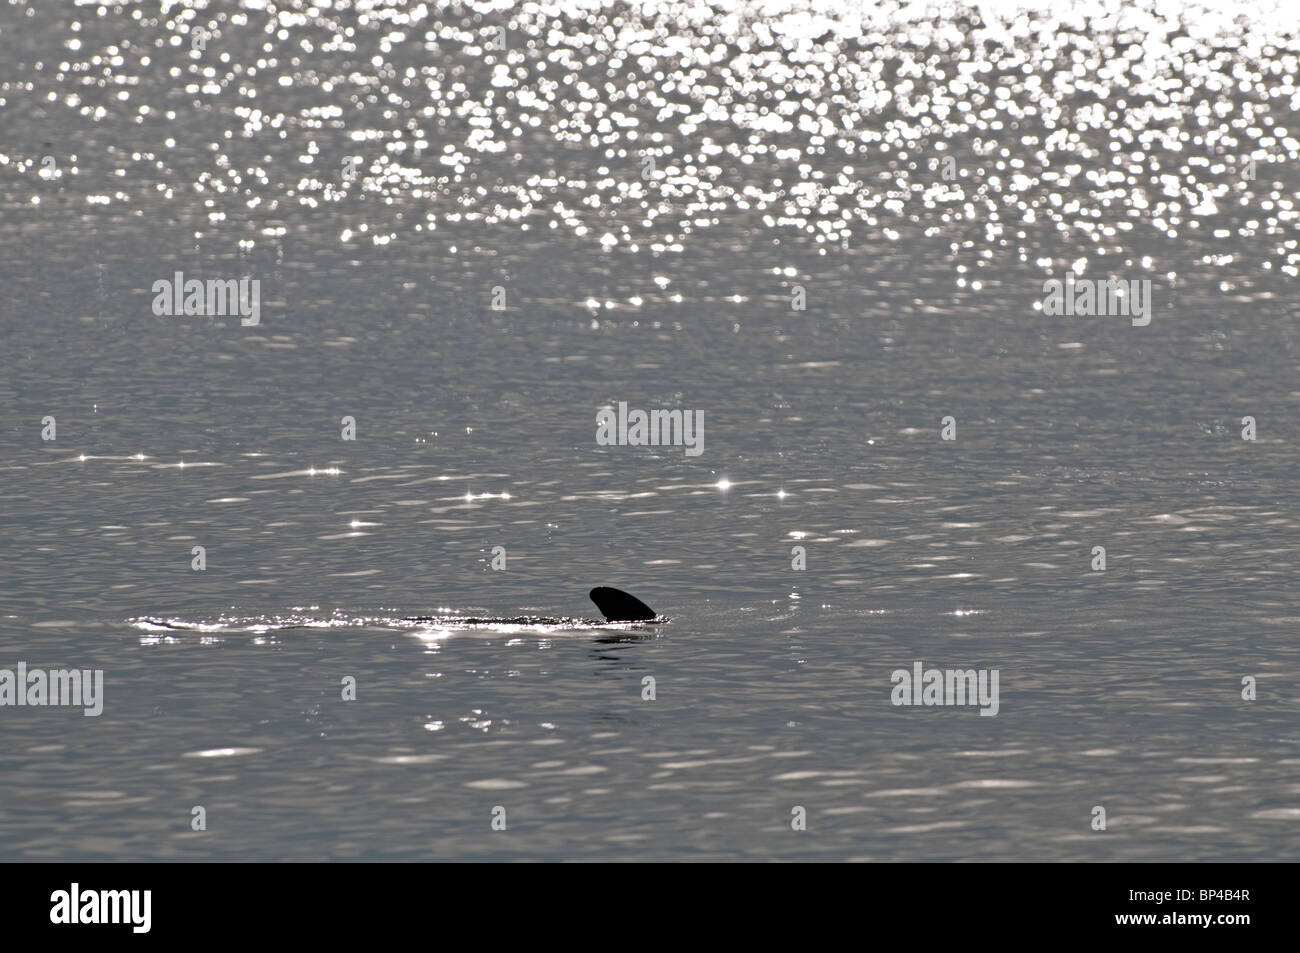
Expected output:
(475, 227)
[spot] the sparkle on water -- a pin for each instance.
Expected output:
(642, 126)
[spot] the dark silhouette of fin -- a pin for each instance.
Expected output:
(617, 606)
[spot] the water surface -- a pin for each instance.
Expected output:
(649, 186)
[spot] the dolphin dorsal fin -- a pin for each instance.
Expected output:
(617, 606)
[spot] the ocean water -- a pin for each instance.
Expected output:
(823, 228)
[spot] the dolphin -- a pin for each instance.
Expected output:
(614, 604)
